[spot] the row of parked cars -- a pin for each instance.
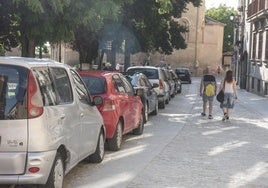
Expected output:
(52, 117)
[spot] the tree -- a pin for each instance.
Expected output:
(8, 31)
(37, 22)
(222, 14)
(136, 29)
(95, 14)
(152, 23)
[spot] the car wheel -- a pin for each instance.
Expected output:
(167, 100)
(56, 176)
(114, 144)
(98, 155)
(145, 112)
(155, 112)
(139, 129)
(162, 104)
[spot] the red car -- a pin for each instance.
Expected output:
(122, 108)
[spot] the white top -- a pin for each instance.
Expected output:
(229, 87)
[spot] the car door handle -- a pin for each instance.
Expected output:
(60, 120)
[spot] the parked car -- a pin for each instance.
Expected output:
(177, 81)
(48, 122)
(184, 74)
(148, 96)
(155, 75)
(122, 109)
(170, 82)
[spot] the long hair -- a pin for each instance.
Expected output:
(229, 76)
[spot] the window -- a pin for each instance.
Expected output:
(254, 46)
(150, 73)
(46, 86)
(62, 85)
(259, 86)
(128, 87)
(95, 85)
(266, 46)
(266, 89)
(13, 92)
(260, 45)
(252, 83)
(80, 88)
(118, 84)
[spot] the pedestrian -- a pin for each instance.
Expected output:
(228, 85)
(208, 88)
(108, 66)
(219, 70)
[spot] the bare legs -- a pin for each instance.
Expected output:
(210, 108)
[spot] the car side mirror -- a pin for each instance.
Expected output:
(97, 100)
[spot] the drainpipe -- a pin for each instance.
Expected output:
(196, 41)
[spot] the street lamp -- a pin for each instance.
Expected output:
(235, 42)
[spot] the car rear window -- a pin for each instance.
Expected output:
(95, 85)
(13, 86)
(184, 71)
(150, 73)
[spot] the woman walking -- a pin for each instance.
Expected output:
(228, 85)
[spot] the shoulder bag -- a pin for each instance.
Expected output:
(220, 95)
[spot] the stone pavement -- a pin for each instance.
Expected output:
(214, 154)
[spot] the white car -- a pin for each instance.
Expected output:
(48, 122)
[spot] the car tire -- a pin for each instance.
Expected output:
(56, 176)
(145, 112)
(98, 155)
(114, 144)
(162, 104)
(155, 112)
(167, 100)
(140, 128)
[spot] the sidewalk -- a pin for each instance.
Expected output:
(215, 154)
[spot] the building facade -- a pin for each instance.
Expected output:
(253, 54)
(204, 43)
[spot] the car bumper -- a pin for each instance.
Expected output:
(42, 160)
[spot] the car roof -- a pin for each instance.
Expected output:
(143, 67)
(28, 62)
(96, 73)
(182, 68)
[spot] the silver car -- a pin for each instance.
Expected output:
(155, 75)
(48, 122)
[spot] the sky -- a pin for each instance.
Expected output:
(216, 3)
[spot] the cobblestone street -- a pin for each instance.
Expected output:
(211, 153)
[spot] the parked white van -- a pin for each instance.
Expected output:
(48, 122)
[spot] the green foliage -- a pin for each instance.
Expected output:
(8, 24)
(147, 20)
(222, 14)
(90, 23)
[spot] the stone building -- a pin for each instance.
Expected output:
(204, 44)
(252, 27)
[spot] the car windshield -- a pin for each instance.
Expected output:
(184, 71)
(13, 85)
(150, 73)
(95, 85)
